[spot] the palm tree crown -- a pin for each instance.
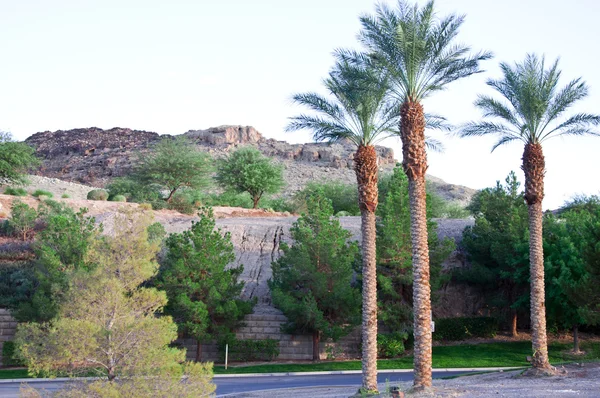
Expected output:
(417, 49)
(359, 110)
(534, 107)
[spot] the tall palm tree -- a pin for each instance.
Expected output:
(533, 110)
(357, 111)
(418, 53)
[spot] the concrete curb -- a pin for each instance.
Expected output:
(281, 374)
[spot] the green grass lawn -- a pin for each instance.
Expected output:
(458, 356)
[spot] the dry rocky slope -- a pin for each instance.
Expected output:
(93, 156)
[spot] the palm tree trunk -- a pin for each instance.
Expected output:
(534, 168)
(412, 133)
(365, 166)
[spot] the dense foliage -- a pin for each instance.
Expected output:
(61, 247)
(461, 328)
(107, 324)
(247, 170)
(497, 247)
(174, 163)
(394, 259)
(313, 280)
(16, 158)
(203, 293)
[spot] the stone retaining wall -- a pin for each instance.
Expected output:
(8, 326)
(291, 347)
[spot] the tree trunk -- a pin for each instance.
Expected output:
(576, 338)
(534, 168)
(414, 162)
(316, 340)
(513, 324)
(365, 166)
(198, 351)
(255, 200)
(171, 195)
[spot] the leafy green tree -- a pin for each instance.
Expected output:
(343, 197)
(312, 281)
(572, 265)
(247, 170)
(565, 270)
(108, 325)
(497, 248)
(394, 265)
(203, 294)
(533, 109)
(419, 54)
(61, 246)
(15, 159)
(174, 163)
(22, 220)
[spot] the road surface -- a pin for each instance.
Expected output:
(239, 384)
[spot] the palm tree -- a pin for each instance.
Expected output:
(418, 53)
(359, 112)
(533, 111)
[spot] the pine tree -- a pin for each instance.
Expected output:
(312, 281)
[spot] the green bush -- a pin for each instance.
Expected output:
(156, 232)
(9, 357)
(281, 205)
(22, 221)
(250, 350)
(342, 214)
(118, 198)
(182, 203)
(65, 196)
(343, 197)
(15, 191)
(133, 190)
(40, 192)
(391, 345)
(97, 194)
(452, 329)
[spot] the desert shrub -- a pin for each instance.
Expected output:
(182, 203)
(9, 357)
(97, 194)
(22, 221)
(133, 190)
(156, 232)
(118, 198)
(342, 214)
(343, 197)
(250, 350)
(15, 191)
(65, 196)
(391, 345)
(455, 210)
(452, 329)
(145, 206)
(40, 192)
(281, 205)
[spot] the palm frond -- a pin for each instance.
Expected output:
(417, 49)
(434, 145)
(473, 129)
(437, 122)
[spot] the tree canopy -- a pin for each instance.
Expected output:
(15, 159)
(313, 280)
(247, 170)
(174, 163)
(204, 294)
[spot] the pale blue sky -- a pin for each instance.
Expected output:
(172, 66)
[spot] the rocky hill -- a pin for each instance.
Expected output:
(93, 156)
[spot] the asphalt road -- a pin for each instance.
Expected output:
(232, 385)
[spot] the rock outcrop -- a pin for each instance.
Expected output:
(93, 156)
